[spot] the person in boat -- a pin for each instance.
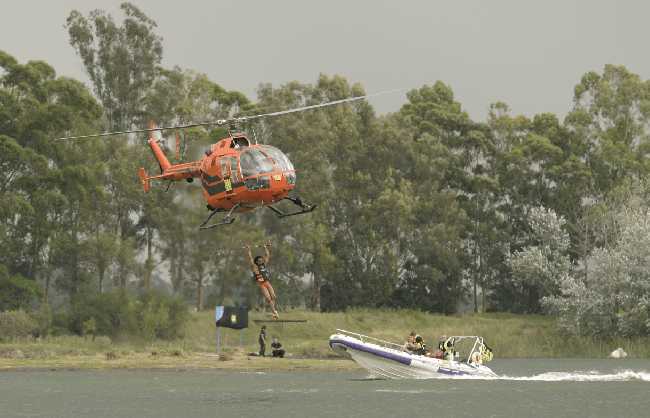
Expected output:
(410, 345)
(439, 352)
(476, 358)
(278, 351)
(420, 346)
(261, 276)
(446, 347)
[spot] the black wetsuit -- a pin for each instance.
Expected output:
(262, 341)
(278, 351)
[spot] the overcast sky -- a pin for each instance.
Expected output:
(529, 54)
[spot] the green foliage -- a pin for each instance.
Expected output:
(44, 319)
(121, 61)
(16, 324)
(540, 267)
(117, 314)
(112, 312)
(17, 292)
(609, 296)
(161, 316)
(89, 327)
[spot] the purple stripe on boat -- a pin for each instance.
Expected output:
(451, 372)
(379, 353)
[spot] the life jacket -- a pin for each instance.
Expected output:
(420, 347)
(262, 274)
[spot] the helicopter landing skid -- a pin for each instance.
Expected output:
(304, 208)
(227, 220)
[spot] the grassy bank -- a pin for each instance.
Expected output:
(511, 336)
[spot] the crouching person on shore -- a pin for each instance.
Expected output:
(278, 351)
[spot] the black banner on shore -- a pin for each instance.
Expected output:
(231, 317)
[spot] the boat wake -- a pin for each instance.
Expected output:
(581, 376)
(575, 376)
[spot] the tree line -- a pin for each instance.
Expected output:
(422, 208)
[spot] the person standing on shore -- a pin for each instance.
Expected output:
(262, 340)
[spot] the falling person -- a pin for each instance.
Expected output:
(261, 276)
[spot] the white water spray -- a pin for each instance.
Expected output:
(574, 376)
(578, 376)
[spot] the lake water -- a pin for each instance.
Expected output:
(527, 388)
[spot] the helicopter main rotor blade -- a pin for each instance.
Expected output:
(316, 106)
(136, 131)
(220, 122)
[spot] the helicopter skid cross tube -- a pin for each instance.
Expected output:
(227, 220)
(296, 201)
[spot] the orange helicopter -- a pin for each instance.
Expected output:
(236, 174)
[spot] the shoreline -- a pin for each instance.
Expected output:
(510, 336)
(195, 361)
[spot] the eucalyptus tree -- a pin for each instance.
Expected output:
(612, 300)
(121, 61)
(45, 185)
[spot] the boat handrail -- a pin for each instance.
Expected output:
(362, 337)
(388, 344)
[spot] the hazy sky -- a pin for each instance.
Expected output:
(529, 54)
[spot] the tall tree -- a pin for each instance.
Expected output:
(121, 61)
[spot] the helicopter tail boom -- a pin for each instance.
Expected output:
(168, 171)
(176, 172)
(159, 154)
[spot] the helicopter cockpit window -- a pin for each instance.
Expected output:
(253, 162)
(239, 141)
(278, 156)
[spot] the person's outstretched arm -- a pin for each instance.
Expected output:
(267, 247)
(250, 258)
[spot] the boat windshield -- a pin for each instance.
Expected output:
(278, 157)
(253, 162)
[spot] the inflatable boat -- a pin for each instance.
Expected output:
(464, 357)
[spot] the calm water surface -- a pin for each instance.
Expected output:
(528, 388)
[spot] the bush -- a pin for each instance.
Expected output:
(152, 315)
(44, 319)
(161, 316)
(112, 313)
(14, 324)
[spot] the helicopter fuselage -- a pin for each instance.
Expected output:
(234, 174)
(235, 171)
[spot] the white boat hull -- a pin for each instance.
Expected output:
(391, 363)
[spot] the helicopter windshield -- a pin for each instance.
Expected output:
(278, 156)
(253, 162)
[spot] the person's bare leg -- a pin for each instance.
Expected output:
(266, 294)
(272, 299)
(271, 292)
(269, 300)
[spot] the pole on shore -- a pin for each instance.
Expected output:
(218, 340)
